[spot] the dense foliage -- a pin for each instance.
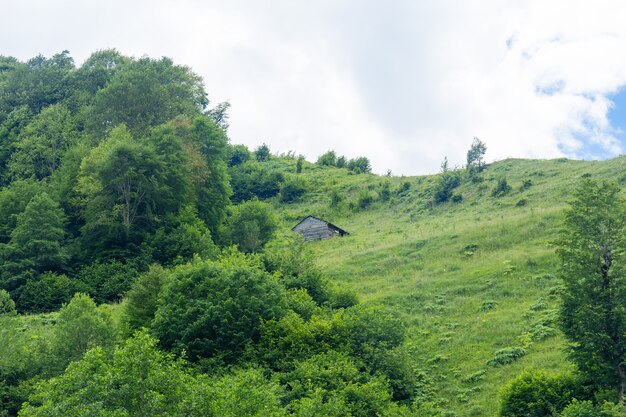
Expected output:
(157, 258)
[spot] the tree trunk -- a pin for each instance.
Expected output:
(622, 382)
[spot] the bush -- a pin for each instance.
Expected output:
(142, 299)
(292, 189)
(80, 326)
(365, 199)
(214, 309)
(7, 305)
(588, 409)
(446, 183)
(108, 281)
(501, 189)
(251, 225)
(327, 159)
(360, 165)
(48, 293)
(252, 179)
(299, 164)
(262, 153)
(237, 155)
(526, 184)
(185, 237)
(506, 356)
(384, 194)
(538, 394)
(296, 270)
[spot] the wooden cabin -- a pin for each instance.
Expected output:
(312, 228)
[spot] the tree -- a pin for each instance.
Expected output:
(7, 305)
(475, 154)
(215, 309)
(37, 83)
(49, 292)
(327, 159)
(136, 380)
(538, 394)
(146, 93)
(142, 299)
(10, 130)
(237, 155)
(36, 243)
(360, 165)
(262, 153)
(81, 326)
(125, 184)
(43, 143)
(593, 316)
(251, 225)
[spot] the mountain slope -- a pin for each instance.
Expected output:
(470, 278)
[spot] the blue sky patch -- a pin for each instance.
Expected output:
(617, 115)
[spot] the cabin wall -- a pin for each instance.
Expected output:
(314, 229)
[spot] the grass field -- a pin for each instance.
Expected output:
(470, 278)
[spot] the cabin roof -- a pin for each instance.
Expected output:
(337, 228)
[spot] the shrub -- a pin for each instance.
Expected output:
(327, 159)
(48, 293)
(252, 179)
(80, 326)
(502, 188)
(262, 153)
(7, 305)
(335, 198)
(237, 155)
(185, 236)
(365, 199)
(446, 183)
(214, 309)
(506, 356)
(251, 225)
(299, 300)
(538, 394)
(299, 163)
(360, 165)
(292, 189)
(384, 194)
(142, 298)
(108, 281)
(526, 184)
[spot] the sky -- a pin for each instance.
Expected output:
(405, 83)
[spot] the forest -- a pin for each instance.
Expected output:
(147, 266)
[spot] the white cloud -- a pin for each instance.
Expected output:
(402, 82)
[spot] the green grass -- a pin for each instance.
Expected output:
(474, 281)
(469, 278)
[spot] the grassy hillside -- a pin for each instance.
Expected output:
(470, 278)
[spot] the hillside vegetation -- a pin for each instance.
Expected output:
(470, 278)
(148, 267)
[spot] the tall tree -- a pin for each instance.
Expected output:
(475, 155)
(10, 130)
(37, 83)
(129, 185)
(593, 314)
(144, 94)
(43, 143)
(36, 243)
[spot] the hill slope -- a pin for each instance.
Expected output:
(470, 278)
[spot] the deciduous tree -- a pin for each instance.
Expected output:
(593, 315)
